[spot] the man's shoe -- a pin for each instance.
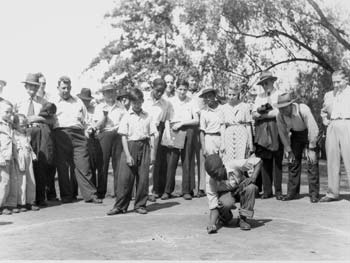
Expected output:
(201, 193)
(15, 210)
(66, 200)
(289, 197)
(6, 211)
(33, 207)
(52, 199)
(187, 197)
(94, 200)
(41, 203)
(115, 211)
(166, 196)
(243, 224)
(266, 196)
(327, 199)
(23, 208)
(141, 210)
(314, 199)
(279, 196)
(212, 229)
(151, 198)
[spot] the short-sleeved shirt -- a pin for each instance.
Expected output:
(71, 113)
(158, 109)
(137, 127)
(182, 110)
(233, 168)
(211, 119)
(114, 117)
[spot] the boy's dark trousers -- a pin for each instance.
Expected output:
(173, 156)
(299, 141)
(111, 147)
(160, 166)
(140, 152)
(96, 160)
(246, 198)
(50, 182)
(72, 153)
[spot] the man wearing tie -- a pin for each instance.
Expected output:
(30, 106)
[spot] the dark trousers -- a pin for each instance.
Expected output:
(111, 146)
(72, 153)
(187, 155)
(160, 166)
(39, 166)
(246, 198)
(271, 170)
(140, 152)
(50, 182)
(96, 161)
(299, 141)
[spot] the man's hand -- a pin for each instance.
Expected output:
(245, 183)
(311, 156)
(177, 126)
(130, 161)
(290, 157)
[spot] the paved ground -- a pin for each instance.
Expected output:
(175, 230)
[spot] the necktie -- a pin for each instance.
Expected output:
(30, 108)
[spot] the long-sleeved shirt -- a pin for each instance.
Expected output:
(22, 105)
(234, 169)
(71, 113)
(300, 120)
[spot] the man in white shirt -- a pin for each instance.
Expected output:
(336, 116)
(298, 120)
(71, 146)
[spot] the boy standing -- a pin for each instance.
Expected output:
(139, 139)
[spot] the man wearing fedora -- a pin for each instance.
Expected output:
(297, 120)
(107, 117)
(268, 145)
(72, 158)
(30, 105)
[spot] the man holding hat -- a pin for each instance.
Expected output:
(229, 183)
(268, 145)
(30, 105)
(297, 120)
(108, 115)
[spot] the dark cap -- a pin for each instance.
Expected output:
(213, 163)
(158, 82)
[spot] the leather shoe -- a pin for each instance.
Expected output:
(279, 196)
(115, 211)
(327, 199)
(41, 203)
(141, 210)
(166, 196)
(289, 197)
(201, 193)
(313, 199)
(212, 229)
(151, 198)
(243, 224)
(94, 200)
(266, 196)
(187, 197)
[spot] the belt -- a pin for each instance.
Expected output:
(337, 119)
(237, 123)
(214, 133)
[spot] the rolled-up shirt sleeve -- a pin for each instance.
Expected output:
(311, 125)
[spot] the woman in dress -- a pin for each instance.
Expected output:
(237, 117)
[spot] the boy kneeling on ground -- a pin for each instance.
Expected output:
(229, 183)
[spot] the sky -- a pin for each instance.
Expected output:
(55, 37)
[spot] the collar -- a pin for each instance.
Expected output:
(211, 109)
(264, 94)
(142, 112)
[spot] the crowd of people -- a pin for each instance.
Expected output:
(230, 149)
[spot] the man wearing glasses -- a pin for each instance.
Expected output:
(268, 145)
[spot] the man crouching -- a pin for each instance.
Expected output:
(229, 183)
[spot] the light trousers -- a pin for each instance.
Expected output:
(337, 145)
(26, 188)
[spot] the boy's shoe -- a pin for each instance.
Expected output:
(243, 224)
(327, 199)
(6, 211)
(115, 211)
(201, 193)
(141, 210)
(22, 208)
(32, 207)
(187, 197)
(166, 196)
(151, 198)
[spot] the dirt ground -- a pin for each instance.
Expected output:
(175, 229)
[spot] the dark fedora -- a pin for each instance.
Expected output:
(265, 76)
(108, 87)
(122, 93)
(85, 94)
(284, 100)
(32, 79)
(208, 90)
(2, 83)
